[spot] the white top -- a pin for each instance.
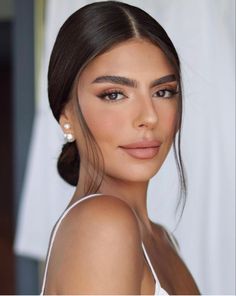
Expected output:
(158, 289)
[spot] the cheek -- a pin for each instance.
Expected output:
(168, 114)
(104, 123)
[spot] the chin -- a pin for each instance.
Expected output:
(141, 175)
(133, 174)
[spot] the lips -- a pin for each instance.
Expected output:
(142, 149)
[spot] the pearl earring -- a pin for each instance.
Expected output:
(66, 126)
(68, 136)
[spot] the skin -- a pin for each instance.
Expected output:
(113, 225)
(142, 115)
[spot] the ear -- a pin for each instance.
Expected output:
(66, 119)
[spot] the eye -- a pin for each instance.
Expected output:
(113, 95)
(166, 93)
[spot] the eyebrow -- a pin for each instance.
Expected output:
(131, 82)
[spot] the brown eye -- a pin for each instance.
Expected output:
(166, 93)
(112, 96)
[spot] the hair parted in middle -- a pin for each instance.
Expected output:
(86, 34)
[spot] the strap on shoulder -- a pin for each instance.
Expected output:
(53, 235)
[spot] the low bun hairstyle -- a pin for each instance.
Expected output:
(87, 33)
(68, 163)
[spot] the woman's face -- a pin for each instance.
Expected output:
(127, 97)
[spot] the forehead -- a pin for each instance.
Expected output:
(131, 58)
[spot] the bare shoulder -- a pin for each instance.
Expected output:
(100, 241)
(182, 280)
(165, 235)
(105, 211)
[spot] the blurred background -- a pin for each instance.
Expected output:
(33, 196)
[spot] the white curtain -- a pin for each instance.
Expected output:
(203, 32)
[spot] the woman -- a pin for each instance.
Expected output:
(114, 86)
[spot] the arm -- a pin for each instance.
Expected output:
(101, 248)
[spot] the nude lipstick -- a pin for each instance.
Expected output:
(143, 149)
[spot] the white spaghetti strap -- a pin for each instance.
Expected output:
(150, 264)
(54, 234)
(158, 289)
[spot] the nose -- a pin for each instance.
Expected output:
(146, 116)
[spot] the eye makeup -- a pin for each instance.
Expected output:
(110, 94)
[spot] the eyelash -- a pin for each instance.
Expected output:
(104, 94)
(107, 93)
(172, 92)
